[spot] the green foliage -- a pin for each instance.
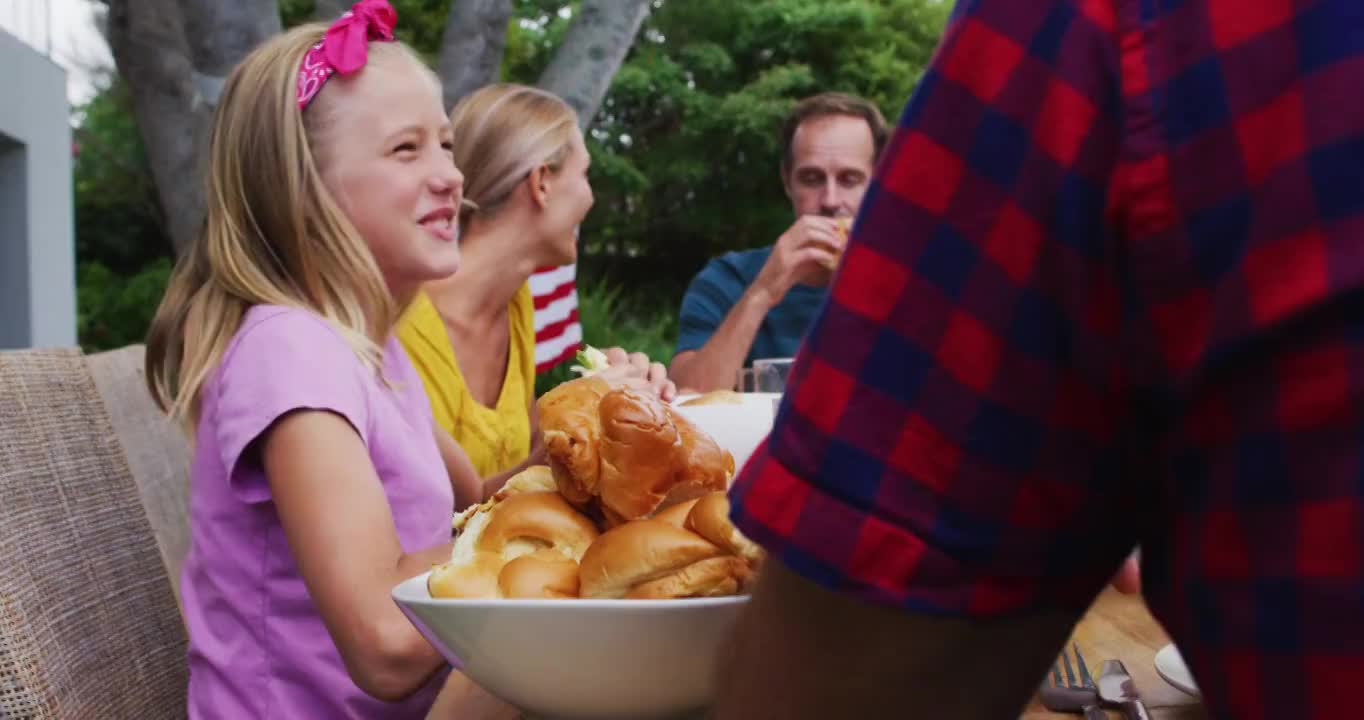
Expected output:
(295, 12)
(114, 310)
(686, 146)
(122, 250)
(533, 34)
(420, 22)
(118, 218)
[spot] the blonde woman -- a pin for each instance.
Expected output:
(319, 481)
(471, 336)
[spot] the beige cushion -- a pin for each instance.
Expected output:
(158, 452)
(88, 622)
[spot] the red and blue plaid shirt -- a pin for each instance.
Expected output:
(1107, 289)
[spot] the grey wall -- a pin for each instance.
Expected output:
(37, 236)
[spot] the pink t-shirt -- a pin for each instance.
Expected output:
(257, 646)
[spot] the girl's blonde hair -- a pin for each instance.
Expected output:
(504, 131)
(272, 233)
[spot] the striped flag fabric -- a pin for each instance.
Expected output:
(558, 334)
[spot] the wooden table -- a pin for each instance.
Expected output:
(1119, 626)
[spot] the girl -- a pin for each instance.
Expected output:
(471, 336)
(318, 480)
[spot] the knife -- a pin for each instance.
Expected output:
(1116, 687)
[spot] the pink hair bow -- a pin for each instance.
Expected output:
(345, 46)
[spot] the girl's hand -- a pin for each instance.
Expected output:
(635, 370)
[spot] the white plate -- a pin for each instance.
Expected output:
(581, 658)
(1170, 666)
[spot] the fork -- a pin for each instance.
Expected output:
(1071, 694)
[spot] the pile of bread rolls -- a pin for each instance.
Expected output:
(633, 504)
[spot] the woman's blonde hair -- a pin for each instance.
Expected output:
(504, 131)
(272, 233)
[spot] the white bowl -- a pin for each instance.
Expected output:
(581, 658)
(738, 428)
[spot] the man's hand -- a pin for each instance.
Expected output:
(806, 253)
(1128, 579)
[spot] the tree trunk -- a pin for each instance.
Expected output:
(148, 41)
(175, 55)
(329, 10)
(593, 49)
(471, 47)
(222, 33)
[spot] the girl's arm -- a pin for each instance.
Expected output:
(343, 538)
(469, 487)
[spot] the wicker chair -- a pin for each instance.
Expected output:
(93, 527)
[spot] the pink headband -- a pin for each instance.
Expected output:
(345, 47)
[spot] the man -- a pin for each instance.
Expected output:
(1106, 290)
(759, 303)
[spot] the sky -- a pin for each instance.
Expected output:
(65, 31)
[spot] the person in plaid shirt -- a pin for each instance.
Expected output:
(1106, 290)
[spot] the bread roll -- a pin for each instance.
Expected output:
(709, 518)
(640, 552)
(527, 522)
(641, 453)
(724, 575)
(623, 454)
(536, 478)
(706, 467)
(474, 577)
(539, 524)
(676, 514)
(541, 574)
(571, 427)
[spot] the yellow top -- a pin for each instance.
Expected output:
(496, 438)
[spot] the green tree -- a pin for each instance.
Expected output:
(122, 247)
(685, 148)
(118, 222)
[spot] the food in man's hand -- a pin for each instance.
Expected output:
(652, 559)
(624, 453)
(539, 528)
(842, 228)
